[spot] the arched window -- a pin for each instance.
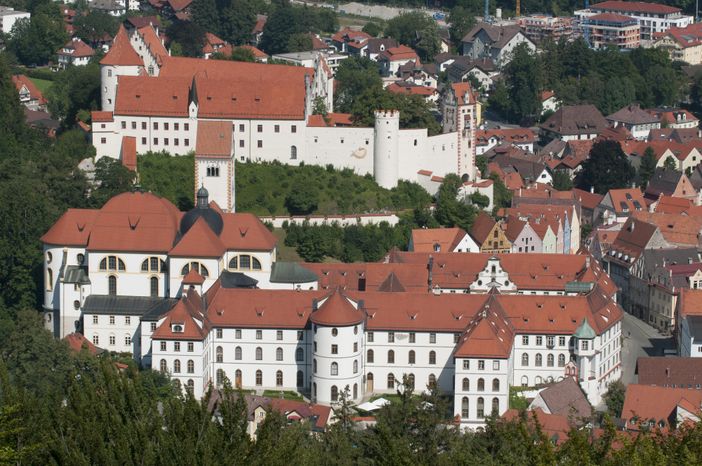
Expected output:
(259, 378)
(314, 366)
(465, 407)
(391, 357)
(164, 365)
(219, 355)
(495, 385)
(538, 359)
(191, 366)
(370, 356)
(481, 408)
(112, 285)
(466, 384)
(154, 287)
(237, 353)
(334, 393)
(432, 381)
(525, 381)
(561, 360)
(220, 377)
(153, 265)
(293, 152)
(237, 378)
(259, 354)
(112, 263)
(355, 391)
(49, 280)
(244, 262)
(300, 379)
(314, 391)
(334, 369)
(495, 406)
(198, 267)
(481, 385)
(410, 380)
(279, 379)
(432, 357)
(279, 354)
(355, 366)
(411, 357)
(299, 355)
(549, 360)
(176, 366)
(525, 359)
(538, 380)
(190, 386)
(391, 381)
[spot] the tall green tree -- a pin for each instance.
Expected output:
(74, 89)
(189, 36)
(355, 76)
(647, 166)
(416, 30)
(606, 168)
(238, 20)
(206, 15)
(450, 211)
(35, 41)
(461, 22)
(524, 84)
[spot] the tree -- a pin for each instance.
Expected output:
(647, 166)
(416, 30)
(36, 40)
(189, 36)
(238, 20)
(243, 54)
(481, 163)
(206, 16)
(499, 101)
(524, 84)
(461, 22)
(299, 42)
(670, 163)
(606, 168)
(479, 200)
(320, 107)
(355, 76)
(562, 181)
(94, 26)
(372, 28)
(302, 200)
(74, 89)
(614, 398)
(450, 211)
(111, 178)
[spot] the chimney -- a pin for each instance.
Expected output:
(430, 268)
(587, 261)
(592, 189)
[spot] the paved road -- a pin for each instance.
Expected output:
(640, 339)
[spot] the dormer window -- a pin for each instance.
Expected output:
(177, 328)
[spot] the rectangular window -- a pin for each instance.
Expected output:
(176, 126)
(561, 341)
(355, 346)
(525, 340)
(165, 141)
(279, 335)
(259, 144)
(466, 364)
(237, 334)
(259, 334)
(155, 125)
(219, 333)
(153, 326)
(481, 365)
(391, 337)
(550, 340)
(260, 128)
(133, 124)
(241, 128)
(155, 141)
(241, 143)
(103, 140)
(143, 141)
(165, 126)
(293, 129)
(95, 320)
(124, 125)
(539, 340)
(432, 337)
(495, 365)
(191, 347)
(276, 128)
(112, 320)
(143, 125)
(176, 346)
(186, 126)
(186, 143)
(412, 337)
(370, 337)
(127, 320)
(456, 337)
(300, 335)
(335, 349)
(163, 346)
(584, 345)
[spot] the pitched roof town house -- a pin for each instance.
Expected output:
(574, 122)
(639, 122)
(495, 42)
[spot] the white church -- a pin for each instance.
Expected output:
(160, 102)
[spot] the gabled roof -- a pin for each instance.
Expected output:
(575, 119)
(482, 226)
(635, 7)
(489, 335)
(499, 35)
(401, 52)
(678, 229)
(632, 115)
(129, 153)
(193, 278)
(567, 399)
(645, 402)
(153, 43)
(77, 342)
(556, 427)
(122, 53)
(674, 372)
(626, 200)
(464, 93)
(632, 240)
(22, 81)
(337, 310)
(392, 284)
(77, 48)
(663, 181)
(425, 239)
(199, 241)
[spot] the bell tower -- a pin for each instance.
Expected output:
(214, 163)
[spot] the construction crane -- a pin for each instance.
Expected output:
(516, 12)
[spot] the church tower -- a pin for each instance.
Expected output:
(214, 162)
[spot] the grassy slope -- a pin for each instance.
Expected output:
(42, 84)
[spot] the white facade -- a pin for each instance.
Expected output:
(649, 22)
(8, 18)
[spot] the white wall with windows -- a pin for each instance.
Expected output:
(540, 358)
(114, 332)
(183, 361)
(481, 387)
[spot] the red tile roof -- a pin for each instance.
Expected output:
(555, 427)
(193, 278)
(188, 314)
(154, 43)
(587, 199)
(122, 53)
(690, 302)
(152, 96)
(21, 81)
(482, 226)
(463, 90)
(401, 52)
(612, 18)
(680, 229)
(489, 335)
(199, 241)
(513, 135)
(411, 89)
(331, 120)
(129, 152)
(336, 310)
(635, 7)
(645, 402)
(424, 239)
(78, 342)
(104, 117)
(257, 53)
(672, 205)
(214, 139)
(78, 47)
(179, 5)
(71, 229)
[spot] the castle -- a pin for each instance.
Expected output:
(159, 103)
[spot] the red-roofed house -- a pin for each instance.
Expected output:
(430, 94)
(75, 52)
(441, 240)
(523, 138)
(29, 94)
(660, 407)
(683, 44)
(393, 57)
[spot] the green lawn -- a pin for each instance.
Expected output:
(287, 394)
(42, 84)
(285, 253)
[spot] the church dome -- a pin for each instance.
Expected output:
(202, 210)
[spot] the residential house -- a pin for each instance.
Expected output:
(376, 46)
(29, 94)
(682, 44)
(564, 398)
(651, 407)
(588, 200)
(685, 155)
(689, 322)
(351, 41)
(574, 122)
(444, 60)
(618, 204)
(675, 118)
(530, 167)
(523, 138)
(258, 54)
(522, 236)
(257, 31)
(483, 70)
(679, 135)
(392, 58)
(116, 8)
(441, 240)
(670, 372)
(574, 154)
(554, 426)
(611, 30)
(214, 44)
(75, 52)
(637, 121)
(179, 9)
(549, 102)
(489, 235)
(680, 230)
(665, 181)
(9, 16)
(483, 187)
(495, 42)
(563, 220)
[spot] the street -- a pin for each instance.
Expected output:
(640, 339)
